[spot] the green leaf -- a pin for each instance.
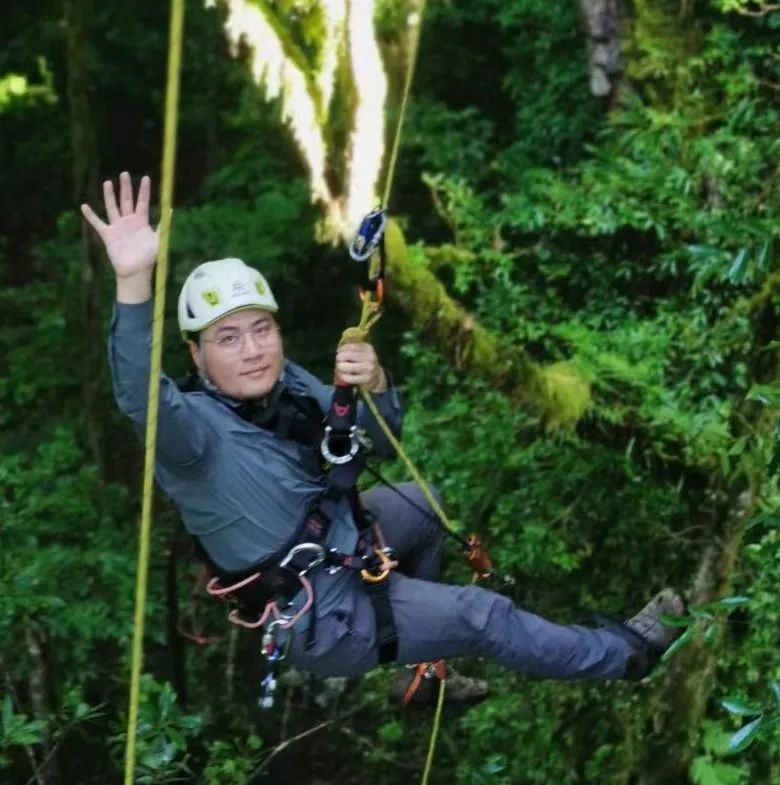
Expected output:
(737, 270)
(29, 733)
(494, 765)
(8, 712)
(672, 620)
(715, 738)
(765, 256)
(776, 691)
(391, 731)
(730, 602)
(706, 771)
(768, 394)
(736, 706)
(745, 736)
(177, 737)
(683, 640)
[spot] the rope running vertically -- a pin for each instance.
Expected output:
(369, 315)
(150, 441)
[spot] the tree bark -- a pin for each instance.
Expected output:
(38, 684)
(602, 20)
(85, 189)
(172, 618)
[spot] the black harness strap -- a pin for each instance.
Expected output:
(300, 419)
(386, 632)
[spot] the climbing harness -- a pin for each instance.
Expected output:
(265, 596)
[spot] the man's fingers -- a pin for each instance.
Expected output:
(353, 377)
(355, 362)
(355, 351)
(112, 212)
(125, 194)
(354, 374)
(94, 221)
(142, 206)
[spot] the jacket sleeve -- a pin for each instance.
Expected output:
(181, 433)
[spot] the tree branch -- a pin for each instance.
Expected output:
(558, 393)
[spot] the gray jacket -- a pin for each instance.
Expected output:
(241, 490)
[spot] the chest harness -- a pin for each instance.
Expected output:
(333, 450)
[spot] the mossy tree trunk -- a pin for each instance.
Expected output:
(559, 392)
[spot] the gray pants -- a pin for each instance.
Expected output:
(436, 620)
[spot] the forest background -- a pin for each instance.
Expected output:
(584, 321)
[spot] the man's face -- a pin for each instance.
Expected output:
(243, 353)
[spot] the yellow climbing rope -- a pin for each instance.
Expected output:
(414, 46)
(372, 304)
(434, 732)
(150, 442)
(370, 314)
(372, 307)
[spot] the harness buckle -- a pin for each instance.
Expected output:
(317, 558)
(383, 560)
(343, 456)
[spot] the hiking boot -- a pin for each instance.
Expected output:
(419, 686)
(651, 636)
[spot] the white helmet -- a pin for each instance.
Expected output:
(215, 289)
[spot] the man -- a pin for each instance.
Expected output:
(244, 488)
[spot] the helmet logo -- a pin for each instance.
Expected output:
(260, 287)
(238, 289)
(211, 296)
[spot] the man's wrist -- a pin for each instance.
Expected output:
(134, 289)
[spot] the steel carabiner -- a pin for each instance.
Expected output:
(346, 456)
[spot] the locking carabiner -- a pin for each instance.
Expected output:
(317, 559)
(341, 456)
(368, 235)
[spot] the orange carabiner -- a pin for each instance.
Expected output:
(386, 564)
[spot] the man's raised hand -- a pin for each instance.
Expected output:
(130, 241)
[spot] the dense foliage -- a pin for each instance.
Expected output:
(628, 243)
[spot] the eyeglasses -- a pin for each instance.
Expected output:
(263, 335)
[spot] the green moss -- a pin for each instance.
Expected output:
(565, 394)
(559, 393)
(659, 49)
